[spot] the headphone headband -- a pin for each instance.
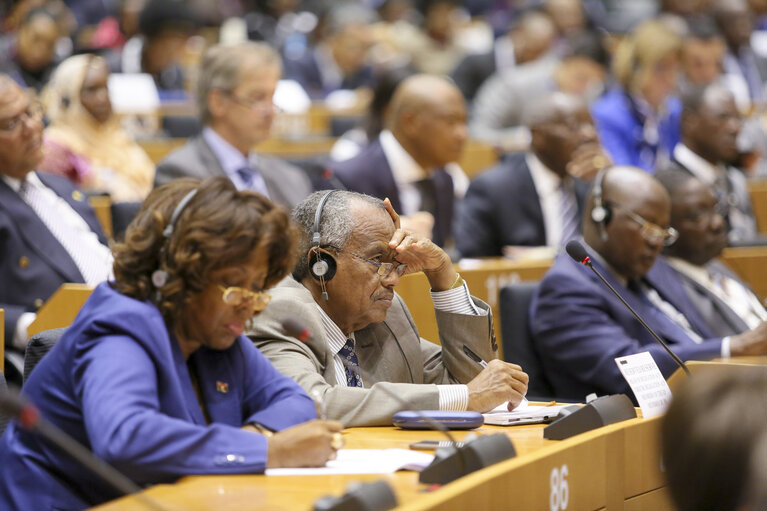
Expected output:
(160, 276)
(318, 216)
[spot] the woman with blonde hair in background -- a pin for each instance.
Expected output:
(84, 140)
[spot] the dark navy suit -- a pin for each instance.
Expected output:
(118, 383)
(579, 327)
(306, 71)
(33, 264)
(369, 172)
(621, 130)
(502, 208)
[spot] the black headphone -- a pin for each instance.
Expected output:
(160, 275)
(323, 269)
(601, 214)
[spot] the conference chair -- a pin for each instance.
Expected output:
(38, 346)
(518, 346)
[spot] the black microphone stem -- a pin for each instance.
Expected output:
(638, 318)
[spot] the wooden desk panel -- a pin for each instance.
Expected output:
(579, 474)
(750, 263)
(757, 189)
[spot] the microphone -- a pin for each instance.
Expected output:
(294, 328)
(451, 462)
(578, 253)
(30, 419)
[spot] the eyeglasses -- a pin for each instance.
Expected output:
(33, 112)
(236, 296)
(651, 232)
(263, 104)
(383, 269)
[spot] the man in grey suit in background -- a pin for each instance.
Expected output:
(724, 301)
(234, 94)
(363, 344)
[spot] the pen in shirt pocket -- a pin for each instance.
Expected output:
(476, 358)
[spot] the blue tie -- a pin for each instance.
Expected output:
(246, 175)
(351, 364)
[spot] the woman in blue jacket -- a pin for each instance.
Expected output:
(154, 374)
(638, 120)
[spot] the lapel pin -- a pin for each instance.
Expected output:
(77, 195)
(222, 386)
(23, 262)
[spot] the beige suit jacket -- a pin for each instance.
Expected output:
(390, 354)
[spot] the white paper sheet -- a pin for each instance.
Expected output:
(363, 461)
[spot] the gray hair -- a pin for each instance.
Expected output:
(337, 222)
(340, 17)
(221, 65)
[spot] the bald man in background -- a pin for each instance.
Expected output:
(425, 131)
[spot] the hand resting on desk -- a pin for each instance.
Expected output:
(497, 383)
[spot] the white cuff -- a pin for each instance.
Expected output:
(20, 336)
(453, 397)
(456, 301)
(726, 347)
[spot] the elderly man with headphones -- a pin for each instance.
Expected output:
(580, 327)
(361, 356)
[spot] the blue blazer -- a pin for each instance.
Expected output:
(117, 383)
(33, 264)
(369, 172)
(621, 129)
(502, 208)
(579, 327)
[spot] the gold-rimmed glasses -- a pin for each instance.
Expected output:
(236, 296)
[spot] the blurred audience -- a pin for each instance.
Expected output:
(338, 60)
(29, 54)
(84, 141)
(498, 108)
(164, 27)
(727, 304)
(235, 93)
(531, 199)
(529, 38)
(710, 125)
(638, 119)
(50, 234)
(426, 130)
(736, 22)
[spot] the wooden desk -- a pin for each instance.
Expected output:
(61, 308)
(616, 467)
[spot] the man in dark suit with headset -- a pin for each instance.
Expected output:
(363, 345)
(580, 327)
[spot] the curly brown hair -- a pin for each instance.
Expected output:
(220, 227)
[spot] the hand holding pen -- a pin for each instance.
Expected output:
(498, 382)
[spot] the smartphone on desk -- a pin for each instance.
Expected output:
(432, 445)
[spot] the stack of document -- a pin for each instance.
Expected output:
(525, 413)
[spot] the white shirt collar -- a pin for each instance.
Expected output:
(15, 183)
(699, 167)
(546, 180)
(403, 167)
(335, 337)
(695, 272)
